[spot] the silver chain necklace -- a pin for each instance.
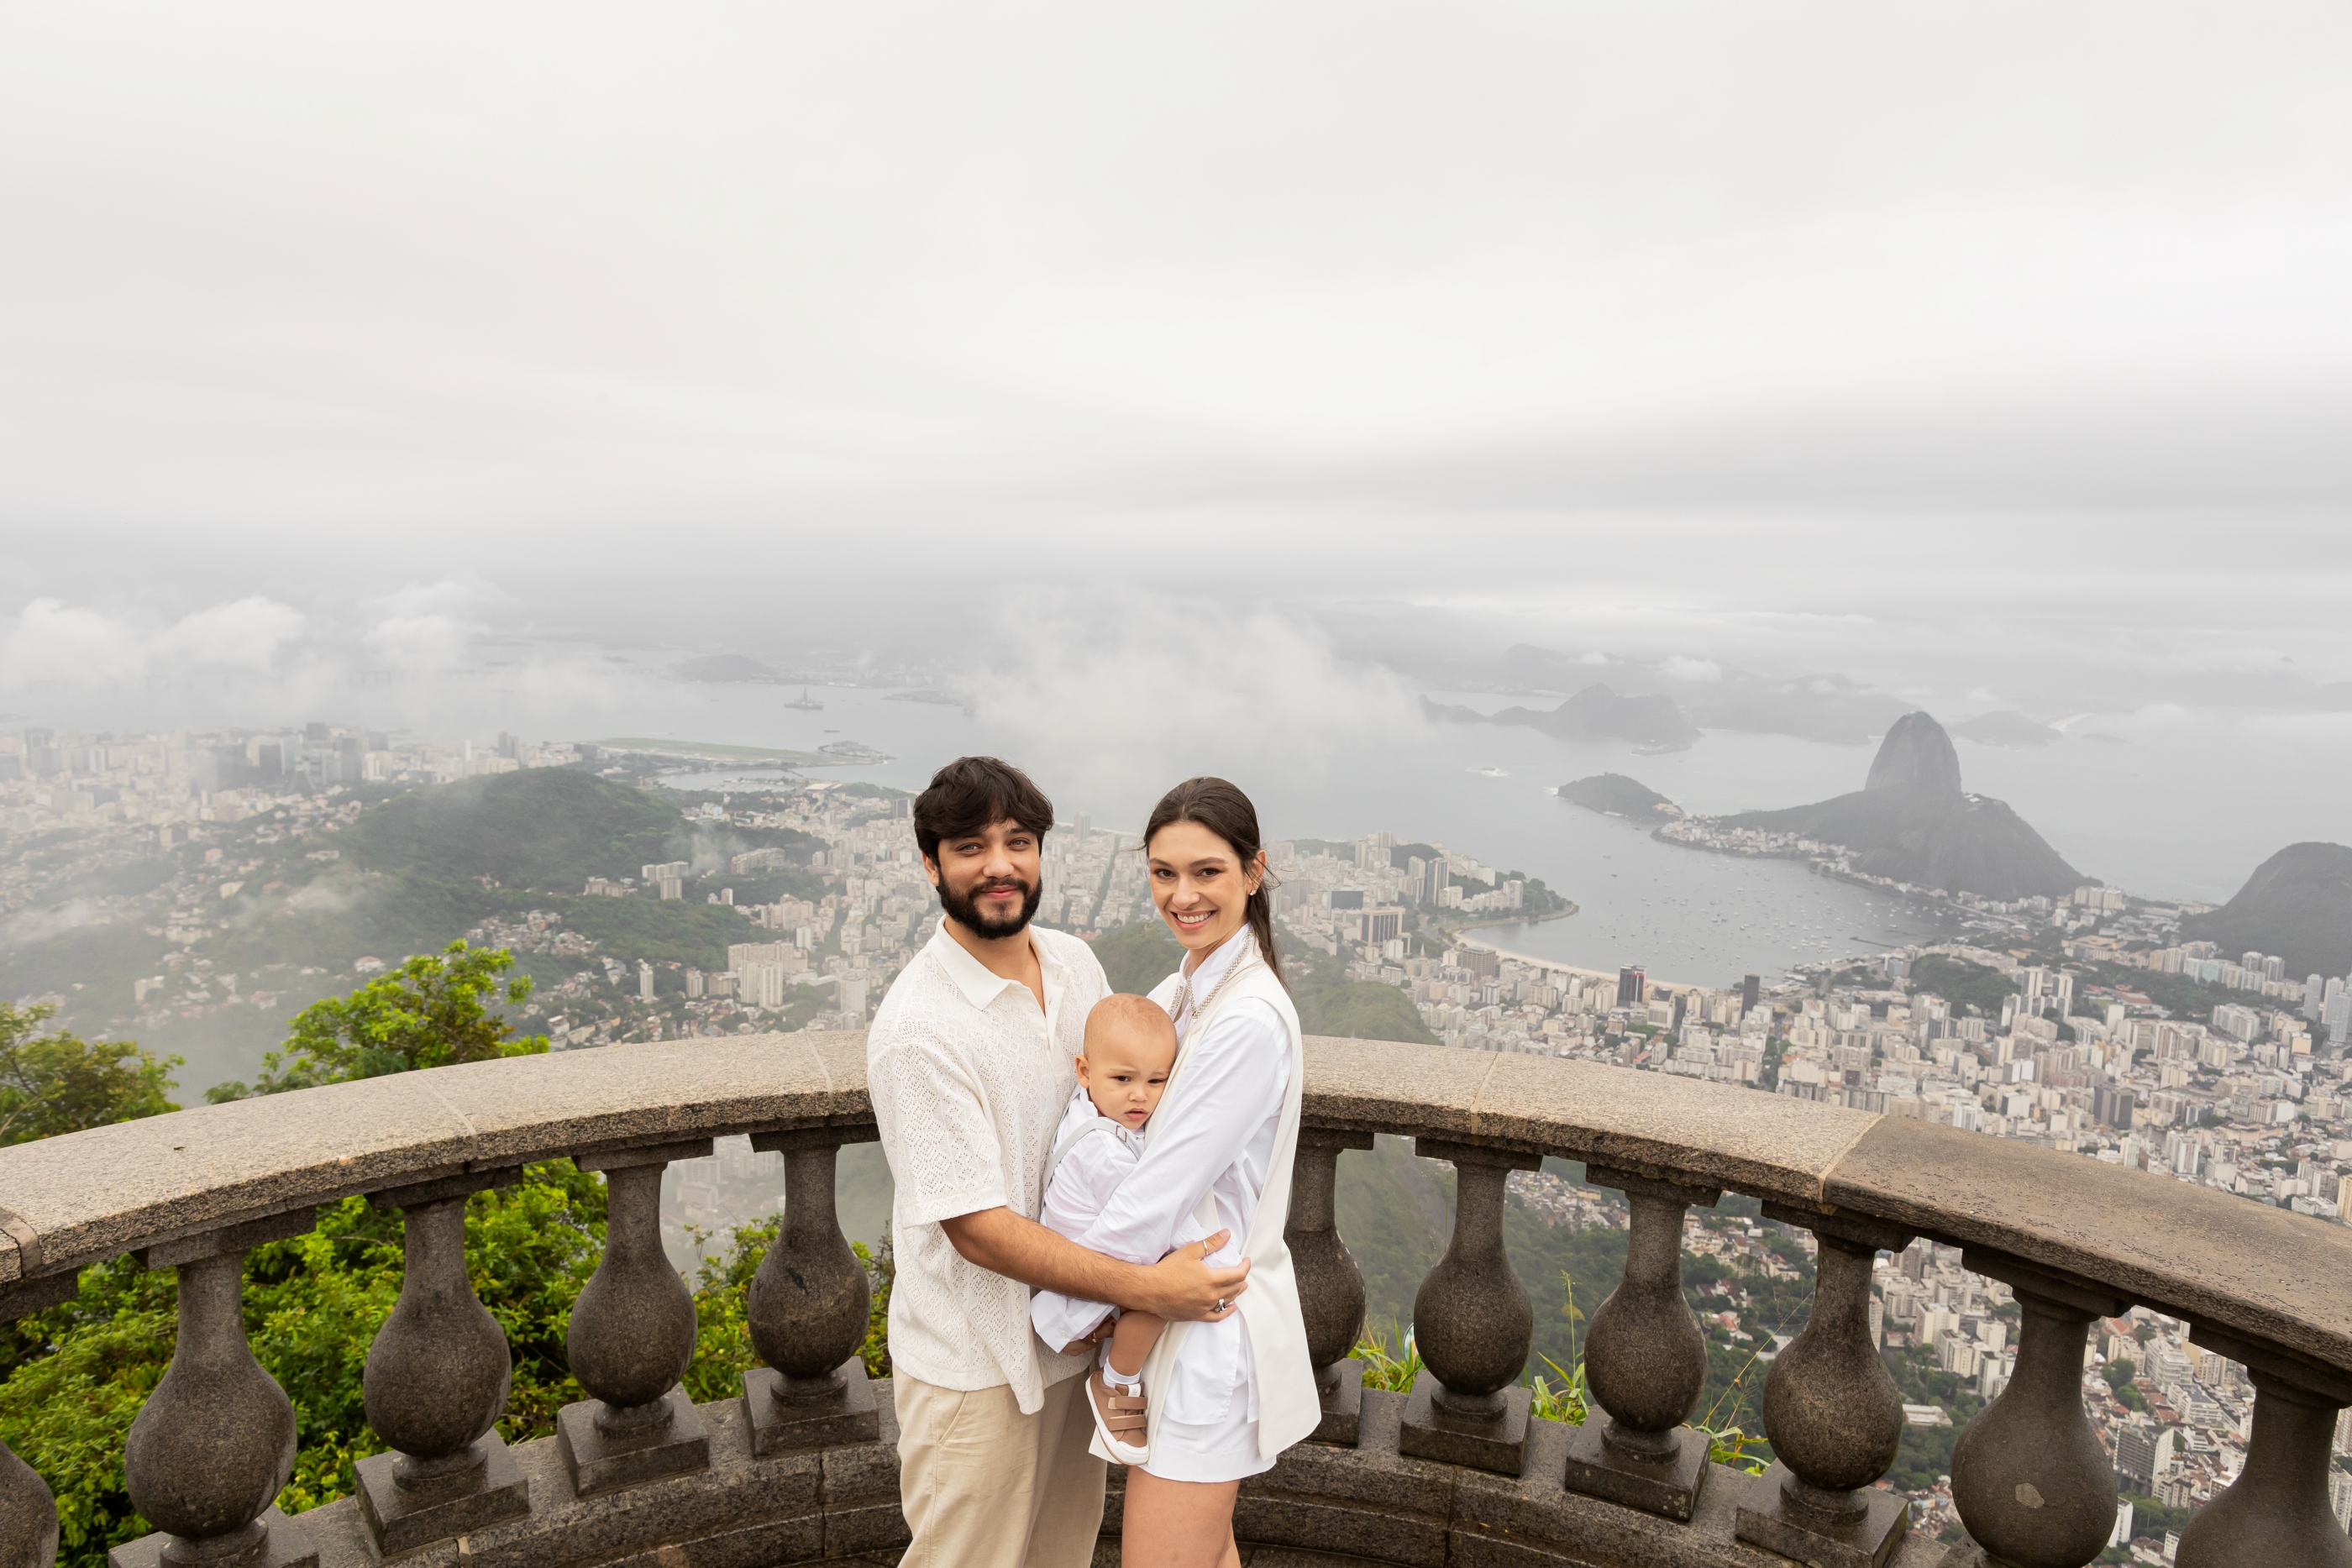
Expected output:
(1183, 1003)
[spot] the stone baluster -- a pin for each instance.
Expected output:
(808, 1309)
(28, 1515)
(2029, 1476)
(28, 1511)
(1330, 1286)
(632, 1338)
(214, 1443)
(435, 1385)
(1644, 1364)
(2275, 1514)
(1833, 1415)
(1472, 1322)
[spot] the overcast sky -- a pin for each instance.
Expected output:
(1632, 320)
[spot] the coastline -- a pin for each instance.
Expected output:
(1554, 963)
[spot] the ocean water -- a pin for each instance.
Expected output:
(2171, 807)
(2170, 803)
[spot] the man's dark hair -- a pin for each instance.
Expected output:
(971, 793)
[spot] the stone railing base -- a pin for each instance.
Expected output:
(816, 1505)
(1321, 1505)
(1371, 1504)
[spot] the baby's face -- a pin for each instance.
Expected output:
(1124, 1072)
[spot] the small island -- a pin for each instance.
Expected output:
(1615, 795)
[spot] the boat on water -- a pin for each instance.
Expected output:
(805, 703)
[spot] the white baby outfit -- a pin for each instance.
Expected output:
(1092, 1154)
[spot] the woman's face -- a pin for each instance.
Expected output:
(1199, 885)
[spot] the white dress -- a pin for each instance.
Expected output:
(1215, 1133)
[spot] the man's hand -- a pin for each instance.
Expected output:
(1183, 1287)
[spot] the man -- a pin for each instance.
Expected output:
(970, 1062)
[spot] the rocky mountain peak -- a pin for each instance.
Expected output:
(1915, 756)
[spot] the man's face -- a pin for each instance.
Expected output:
(988, 880)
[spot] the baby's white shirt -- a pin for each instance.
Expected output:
(1081, 1184)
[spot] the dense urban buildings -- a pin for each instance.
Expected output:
(2086, 1023)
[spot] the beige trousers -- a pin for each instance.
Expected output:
(984, 1486)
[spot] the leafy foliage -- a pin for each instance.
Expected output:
(1331, 1003)
(53, 1083)
(1393, 1372)
(429, 1012)
(312, 1306)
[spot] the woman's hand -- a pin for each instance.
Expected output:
(1183, 1287)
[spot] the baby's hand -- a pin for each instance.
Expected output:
(1095, 1336)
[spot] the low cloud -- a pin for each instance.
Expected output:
(54, 642)
(326, 896)
(27, 927)
(1112, 702)
(244, 635)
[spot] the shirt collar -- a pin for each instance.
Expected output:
(1215, 967)
(974, 980)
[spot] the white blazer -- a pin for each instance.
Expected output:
(1290, 1408)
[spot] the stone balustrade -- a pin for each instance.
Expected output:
(800, 1466)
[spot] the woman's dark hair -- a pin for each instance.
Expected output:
(1225, 811)
(971, 793)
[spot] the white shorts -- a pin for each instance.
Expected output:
(1221, 1451)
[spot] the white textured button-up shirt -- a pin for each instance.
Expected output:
(968, 1078)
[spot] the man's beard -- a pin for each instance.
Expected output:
(964, 908)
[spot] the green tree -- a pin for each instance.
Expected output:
(2120, 1373)
(430, 1012)
(53, 1083)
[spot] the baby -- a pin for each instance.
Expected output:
(1130, 1046)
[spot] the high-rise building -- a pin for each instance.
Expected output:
(1633, 986)
(644, 981)
(1751, 992)
(2135, 1458)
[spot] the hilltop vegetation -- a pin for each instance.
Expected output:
(1596, 713)
(1139, 956)
(1961, 983)
(548, 828)
(287, 901)
(2298, 904)
(1615, 795)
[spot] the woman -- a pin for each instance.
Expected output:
(1229, 1394)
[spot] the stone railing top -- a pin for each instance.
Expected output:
(2281, 1279)
(68, 1201)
